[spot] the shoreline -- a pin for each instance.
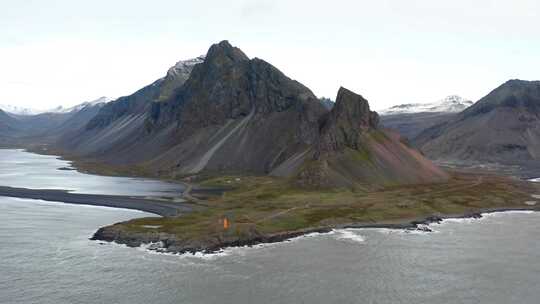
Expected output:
(155, 206)
(173, 246)
(213, 242)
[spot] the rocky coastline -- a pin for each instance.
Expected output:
(169, 243)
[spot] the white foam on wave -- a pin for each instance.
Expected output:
(158, 249)
(350, 235)
(464, 220)
(505, 213)
(404, 231)
(485, 216)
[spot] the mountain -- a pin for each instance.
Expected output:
(12, 109)
(8, 123)
(9, 128)
(450, 104)
(353, 151)
(411, 119)
(228, 113)
(49, 127)
(502, 127)
(23, 111)
(214, 121)
(121, 124)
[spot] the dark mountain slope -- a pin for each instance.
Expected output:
(9, 127)
(232, 114)
(115, 132)
(8, 123)
(236, 114)
(503, 127)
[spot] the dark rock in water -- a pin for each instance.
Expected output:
(476, 215)
(434, 219)
(424, 229)
(67, 169)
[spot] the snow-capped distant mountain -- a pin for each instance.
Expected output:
(450, 104)
(60, 109)
(100, 101)
(18, 110)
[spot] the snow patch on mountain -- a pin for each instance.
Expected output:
(184, 66)
(450, 104)
(98, 102)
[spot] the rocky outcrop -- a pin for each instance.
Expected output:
(344, 125)
(352, 151)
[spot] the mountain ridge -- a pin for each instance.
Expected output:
(502, 127)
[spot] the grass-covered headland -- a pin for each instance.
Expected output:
(265, 209)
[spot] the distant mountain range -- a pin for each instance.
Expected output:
(450, 104)
(47, 127)
(23, 111)
(18, 110)
(411, 119)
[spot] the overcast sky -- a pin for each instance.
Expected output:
(69, 51)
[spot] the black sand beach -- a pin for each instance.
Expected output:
(151, 205)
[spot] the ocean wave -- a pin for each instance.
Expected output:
(428, 231)
(158, 248)
(350, 235)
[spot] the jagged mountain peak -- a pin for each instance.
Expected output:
(348, 119)
(224, 52)
(354, 109)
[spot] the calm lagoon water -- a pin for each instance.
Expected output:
(28, 170)
(46, 257)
